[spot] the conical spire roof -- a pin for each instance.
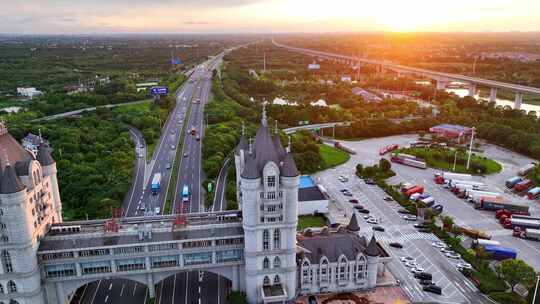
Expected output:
(353, 224)
(372, 248)
(10, 182)
(44, 155)
(288, 167)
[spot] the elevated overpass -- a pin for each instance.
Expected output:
(144, 249)
(443, 79)
(332, 125)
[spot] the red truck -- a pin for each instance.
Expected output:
(413, 190)
(523, 185)
(387, 149)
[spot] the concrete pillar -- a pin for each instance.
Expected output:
(78, 269)
(472, 89)
(60, 296)
(493, 95)
(235, 278)
(518, 101)
(150, 285)
(441, 85)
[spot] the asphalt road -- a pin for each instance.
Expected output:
(220, 201)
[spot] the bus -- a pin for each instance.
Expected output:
(185, 194)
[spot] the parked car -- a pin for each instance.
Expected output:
(378, 228)
(424, 230)
(421, 225)
(364, 211)
(372, 221)
(446, 250)
(396, 245)
(453, 255)
(425, 282)
(388, 199)
(438, 244)
(423, 276)
(433, 289)
(417, 269)
(370, 182)
(406, 258)
(347, 193)
(462, 266)
(404, 211)
(358, 207)
(168, 166)
(411, 264)
(410, 217)
(353, 201)
(185, 155)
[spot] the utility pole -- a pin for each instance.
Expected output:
(536, 288)
(470, 149)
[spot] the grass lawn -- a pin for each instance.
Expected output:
(332, 157)
(306, 221)
(442, 158)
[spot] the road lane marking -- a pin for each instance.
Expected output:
(122, 290)
(110, 286)
(106, 298)
(187, 283)
(95, 293)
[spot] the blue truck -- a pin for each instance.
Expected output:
(511, 182)
(156, 183)
(500, 253)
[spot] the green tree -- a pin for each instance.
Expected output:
(385, 165)
(517, 272)
(448, 222)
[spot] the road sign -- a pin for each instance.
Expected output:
(159, 91)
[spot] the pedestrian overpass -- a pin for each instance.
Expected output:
(142, 249)
(322, 126)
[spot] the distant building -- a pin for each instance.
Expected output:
(311, 198)
(314, 66)
(367, 96)
(77, 89)
(31, 142)
(284, 102)
(319, 103)
(451, 131)
(29, 92)
(145, 85)
(346, 78)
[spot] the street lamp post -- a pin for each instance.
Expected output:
(470, 149)
(536, 288)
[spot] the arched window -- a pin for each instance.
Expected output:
(277, 239)
(13, 302)
(6, 262)
(361, 267)
(266, 240)
(1, 289)
(12, 287)
(277, 262)
(342, 268)
(305, 272)
(266, 263)
(324, 270)
(266, 281)
(277, 280)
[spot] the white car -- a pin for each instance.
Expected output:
(464, 266)
(453, 255)
(411, 264)
(406, 259)
(410, 217)
(438, 244)
(447, 251)
(417, 269)
(372, 221)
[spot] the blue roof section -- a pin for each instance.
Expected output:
(306, 181)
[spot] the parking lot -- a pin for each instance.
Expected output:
(462, 212)
(455, 287)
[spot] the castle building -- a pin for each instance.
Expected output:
(29, 205)
(279, 263)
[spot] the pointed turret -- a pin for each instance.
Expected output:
(372, 248)
(288, 168)
(353, 224)
(10, 182)
(44, 155)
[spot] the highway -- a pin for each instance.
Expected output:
(417, 71)
(220, 201)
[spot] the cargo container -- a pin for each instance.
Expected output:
(526, 169)
(387, 149)
(461, 189)
(413, 190)
(474, 195)
(527, 233)
(523, 185)
(483, 242)
(494, 206)
(474, 233)
(509, 213)
(533, 193)
(408, 160)
(500, 253)
(511, 182)
(444, 177)
(521, 223)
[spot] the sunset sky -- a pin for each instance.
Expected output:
(218, 16)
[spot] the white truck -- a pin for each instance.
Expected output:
(483, 242)
(526, 169)
(445, 177)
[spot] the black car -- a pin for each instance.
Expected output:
(388, 199)
(424, 230)
(420, 226)
(378, 228)
(404, 211)
(358, 207)
(370, 182)
(423, 276)
(353, 201)
(425, 282)
(433, 288)
(364, 211)
(396, 245)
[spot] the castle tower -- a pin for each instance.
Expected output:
(372, 253)
(28, 207)
(269, 183)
